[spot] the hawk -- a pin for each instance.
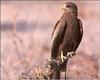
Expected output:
(67, 33)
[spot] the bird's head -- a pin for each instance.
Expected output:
(69, 7)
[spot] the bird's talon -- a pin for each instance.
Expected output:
(71, 54)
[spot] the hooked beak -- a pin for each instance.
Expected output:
(63, 7)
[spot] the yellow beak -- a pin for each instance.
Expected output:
(63, 7)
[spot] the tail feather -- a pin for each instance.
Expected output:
(63, 66)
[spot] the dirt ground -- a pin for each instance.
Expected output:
(26, 28)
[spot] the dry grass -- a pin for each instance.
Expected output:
(37, 73)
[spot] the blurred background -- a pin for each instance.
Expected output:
(26, 28)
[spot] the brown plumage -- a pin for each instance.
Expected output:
(67, 32)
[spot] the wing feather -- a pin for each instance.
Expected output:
(57, 37)
(81, 29)
(80, 35)
(54, 28)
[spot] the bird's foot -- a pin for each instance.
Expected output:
(62, 57)
(71, 54)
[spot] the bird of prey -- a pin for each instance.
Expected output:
(67, 33)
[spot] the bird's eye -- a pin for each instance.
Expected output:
(68, 6)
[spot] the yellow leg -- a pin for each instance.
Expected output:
(62, 57)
